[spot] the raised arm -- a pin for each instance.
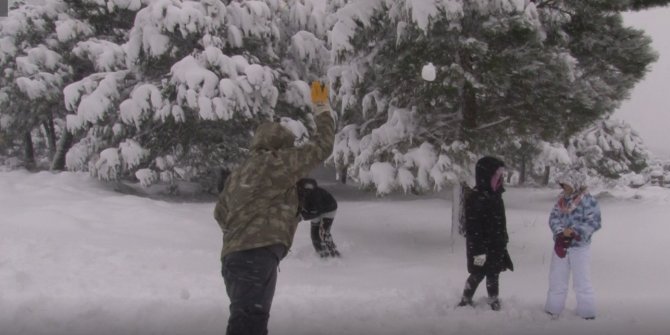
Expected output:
(303, 159)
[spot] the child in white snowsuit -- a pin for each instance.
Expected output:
(318, 206)
(573, 220)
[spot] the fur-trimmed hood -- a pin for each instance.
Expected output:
(574, 179)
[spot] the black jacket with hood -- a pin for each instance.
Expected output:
(313, 199)
(486, 226)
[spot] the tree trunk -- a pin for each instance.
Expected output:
(469, 107)
(28, 151)
(468, 94)
(547, 173)
(50, 130)
(65, 143)
(457, 208)
(343, 174)
(522, 170)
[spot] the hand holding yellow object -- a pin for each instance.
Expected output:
(319, 93)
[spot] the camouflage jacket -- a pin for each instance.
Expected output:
(259, 203)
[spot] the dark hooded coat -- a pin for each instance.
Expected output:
(486, 225)
(314, 200)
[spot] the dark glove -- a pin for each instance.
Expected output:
(561, 244)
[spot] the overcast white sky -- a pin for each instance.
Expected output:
(648, 109)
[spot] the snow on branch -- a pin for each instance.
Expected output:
(70, 29)
(132, 153)
(348, 19)
(611, 148)
(145, 101)
(7, 49)
(31, 19)
(107, 167)
(252, 18)
(92, 98)
(306, 16)
(105, 55)
(37, 58)
(309, 49)
(40, 85)
(40, 73)
(155, 23)
(112, 5)
(298, 94)
(77, 157)
(423, 11)
(246, 88)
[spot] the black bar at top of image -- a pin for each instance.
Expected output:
(4, 8)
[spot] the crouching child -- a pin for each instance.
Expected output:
(318, 206)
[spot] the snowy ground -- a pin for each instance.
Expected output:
(77, 258)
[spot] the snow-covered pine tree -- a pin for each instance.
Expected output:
(109, 22)
(502, 70)
(475, 52)
(76, 36)
(34, 42)
(610, 148)
(198, 78)
(609, 58)
(604, 59)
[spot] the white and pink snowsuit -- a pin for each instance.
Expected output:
(581, 213)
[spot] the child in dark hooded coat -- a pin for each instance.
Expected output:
(318, 206)
(486, 232)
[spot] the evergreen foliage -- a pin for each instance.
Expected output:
(170, 90)
(538, 71)
(611, 148)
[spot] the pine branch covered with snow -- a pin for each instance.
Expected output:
(611, 148)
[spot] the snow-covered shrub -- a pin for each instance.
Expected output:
(611, 148)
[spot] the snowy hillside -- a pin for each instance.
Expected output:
(78, 258)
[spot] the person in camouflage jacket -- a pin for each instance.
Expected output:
(258, 213)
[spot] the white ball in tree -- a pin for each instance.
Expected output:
(428, 72)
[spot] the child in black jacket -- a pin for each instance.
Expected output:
(486, 232)
(318, 206)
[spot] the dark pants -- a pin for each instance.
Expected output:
(250, 277)
(473, 282)
(322, 240)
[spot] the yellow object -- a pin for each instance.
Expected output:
(319, 93)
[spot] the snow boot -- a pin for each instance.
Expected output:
(465, 301)
(552, 316)
(495, 304)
